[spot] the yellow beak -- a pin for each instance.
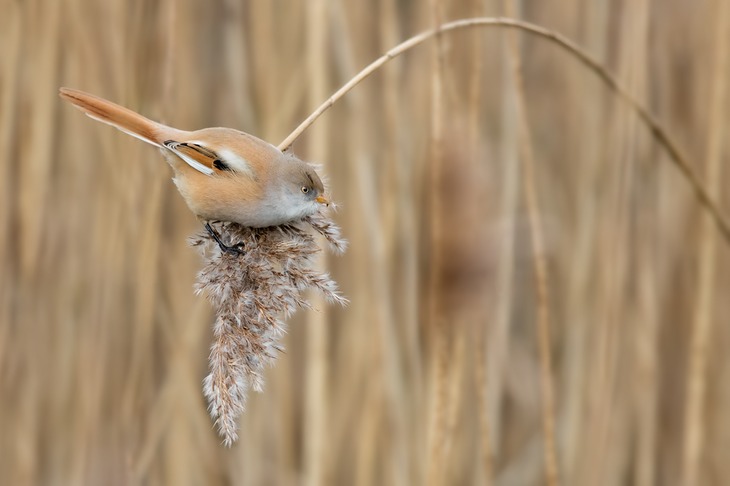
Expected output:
(322, 200)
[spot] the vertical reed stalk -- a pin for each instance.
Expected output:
(643, 332)
(372, 463)
(482, 386)
(479, 327)
(498, 343)
(577, 350)
(10, 59)
(438, 325)
(701, 334)
(547, 386)
(401, 248)
(606, 403)
(316, 402)
(647, 370)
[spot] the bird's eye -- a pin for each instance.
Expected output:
(305, 189)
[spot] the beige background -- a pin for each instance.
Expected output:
(435, 366)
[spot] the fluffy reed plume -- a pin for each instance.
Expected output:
(252, 293)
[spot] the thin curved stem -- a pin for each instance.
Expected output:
(675, 155)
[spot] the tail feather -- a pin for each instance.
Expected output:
(117, 116)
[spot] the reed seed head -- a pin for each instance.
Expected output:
(252, 292)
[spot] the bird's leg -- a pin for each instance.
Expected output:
(228, 249)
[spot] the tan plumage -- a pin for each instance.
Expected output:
(223, 174)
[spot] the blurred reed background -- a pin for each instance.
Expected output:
(435, 373)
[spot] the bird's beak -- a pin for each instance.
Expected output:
(322, 200)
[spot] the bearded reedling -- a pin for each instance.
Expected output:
(223, 174)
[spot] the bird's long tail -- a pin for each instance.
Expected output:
(119, 117)
(142, 128)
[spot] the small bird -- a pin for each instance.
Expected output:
(223, 174)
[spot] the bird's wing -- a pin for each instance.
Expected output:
(199, 154)
(196, 156)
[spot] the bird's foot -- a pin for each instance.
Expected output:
(233, 249)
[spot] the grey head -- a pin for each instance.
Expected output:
(296, 190)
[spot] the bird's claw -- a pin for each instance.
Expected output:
(236, 249)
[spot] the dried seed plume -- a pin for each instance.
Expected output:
(252, 292)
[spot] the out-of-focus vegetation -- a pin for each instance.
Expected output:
(433, 374)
